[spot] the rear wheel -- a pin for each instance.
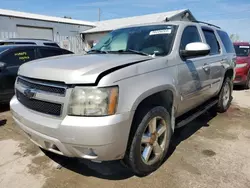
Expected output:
(225, 96)
(150, 141)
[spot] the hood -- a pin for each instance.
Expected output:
(76, 69)
(240, 60)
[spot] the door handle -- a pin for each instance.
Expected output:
(206, 67)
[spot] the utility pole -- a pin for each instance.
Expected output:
(99, 14)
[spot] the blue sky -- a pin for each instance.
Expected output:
(231, 15)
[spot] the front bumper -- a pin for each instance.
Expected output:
(94, 138)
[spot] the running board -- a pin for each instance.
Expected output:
(200, 110)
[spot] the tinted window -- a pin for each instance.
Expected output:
(47, 52)
(18, 57)
(153, 39)
(242, 50)
(51, 44)
(212, 42)
(190, 34)
(226, 41)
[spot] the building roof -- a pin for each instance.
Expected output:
(17, 14)
(109, 25)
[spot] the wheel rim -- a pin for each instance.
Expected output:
(226, 94)
(153, 141)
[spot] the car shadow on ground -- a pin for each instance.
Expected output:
(4, 107)
(115, 170)
(239, 88)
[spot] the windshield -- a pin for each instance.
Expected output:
(151, 40)
(4, 48)
(242, 50)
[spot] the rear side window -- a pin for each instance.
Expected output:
(226, 41)
(51, 44)
(211, 41)
(18, 57)
(190, 34)
(47, 52)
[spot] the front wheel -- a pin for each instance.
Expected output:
(150, 142)
(225, 96)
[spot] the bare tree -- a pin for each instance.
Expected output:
(234, 37)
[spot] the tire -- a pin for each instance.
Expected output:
(225, 98)
(138, 156)
(247, 84)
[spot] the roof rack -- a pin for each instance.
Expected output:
(207, 24)
(28, 39)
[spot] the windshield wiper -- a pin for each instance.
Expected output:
(133, 51)
(97, 51)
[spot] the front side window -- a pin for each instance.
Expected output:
(18, 57)
(190, 35)
(151, 40)
(211, 41)
(242, 50)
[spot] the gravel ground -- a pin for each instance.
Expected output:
(212, 151)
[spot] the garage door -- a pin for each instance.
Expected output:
(35, 32)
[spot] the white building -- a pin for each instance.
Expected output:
(66, 32)
(74, 35)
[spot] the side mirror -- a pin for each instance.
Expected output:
(195, 49)
(2, 65)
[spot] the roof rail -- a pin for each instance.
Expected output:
(207, 24)
(28, 39)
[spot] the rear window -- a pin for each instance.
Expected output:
(51, 44)
(242, 50)
(226, 41)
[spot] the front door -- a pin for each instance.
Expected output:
(193, 74)
(13, 59)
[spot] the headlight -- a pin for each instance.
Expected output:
(92, 101)
(241, 65)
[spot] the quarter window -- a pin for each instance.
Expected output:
(226, 41)
(190, 34)
(211, 41)
(46, 52)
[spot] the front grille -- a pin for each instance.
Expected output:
(41, 86)
(39, 106)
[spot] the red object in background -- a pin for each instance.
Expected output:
(242, 76)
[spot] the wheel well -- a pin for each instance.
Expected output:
(229, 74)
(163, 98)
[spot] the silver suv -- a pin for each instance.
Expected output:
(124, 99)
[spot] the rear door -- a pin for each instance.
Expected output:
(13, 59)
(193, 73)
(214, 61)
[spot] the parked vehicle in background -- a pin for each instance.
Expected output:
(124, 99)
(242, 77)
(26, 41)
(12, 56)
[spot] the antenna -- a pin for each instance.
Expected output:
(99, 14)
